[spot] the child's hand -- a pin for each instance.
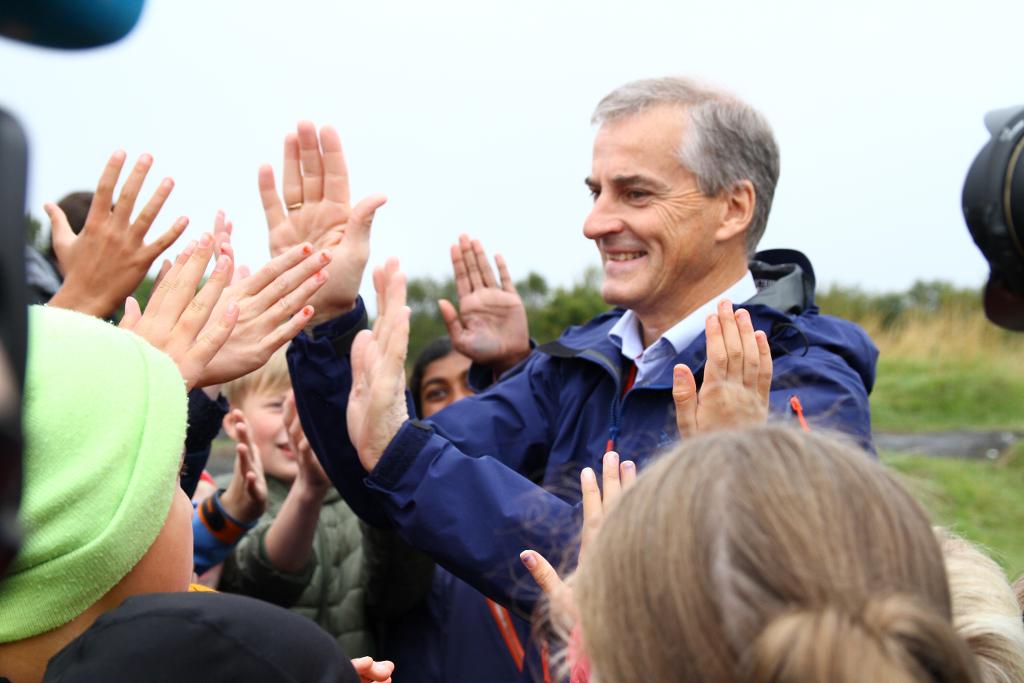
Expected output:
(246, 496)
(311, 474)
(373, 672)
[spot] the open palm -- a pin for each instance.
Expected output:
(490, 327)
(317, 209)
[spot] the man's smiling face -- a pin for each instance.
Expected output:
(654, 229)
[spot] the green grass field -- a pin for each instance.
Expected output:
(948, 371)
(980, 500)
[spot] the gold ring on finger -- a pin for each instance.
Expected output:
(294, 207)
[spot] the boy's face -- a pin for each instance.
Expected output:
(265, 417)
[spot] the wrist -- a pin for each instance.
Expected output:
(239, 506)
(310, 492)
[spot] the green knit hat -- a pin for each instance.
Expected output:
(104, 421)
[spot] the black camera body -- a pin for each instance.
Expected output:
(993, 205)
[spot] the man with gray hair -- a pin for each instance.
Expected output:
(682, 178)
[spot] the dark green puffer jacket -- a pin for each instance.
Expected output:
(330, 590)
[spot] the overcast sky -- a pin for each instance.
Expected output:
(474, 116)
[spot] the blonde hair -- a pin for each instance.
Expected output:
(985, 610)
(271, 378)
(768, 555)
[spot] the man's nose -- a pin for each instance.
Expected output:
(601, 221)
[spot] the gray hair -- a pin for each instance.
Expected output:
(729, 141)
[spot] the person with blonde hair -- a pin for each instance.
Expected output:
(985, 609)
(767, 555)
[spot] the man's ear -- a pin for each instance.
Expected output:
(737, 210)
(230, 423)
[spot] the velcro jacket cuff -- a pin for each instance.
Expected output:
(341, 331)
(400, 454)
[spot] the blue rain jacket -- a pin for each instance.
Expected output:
(498, 472)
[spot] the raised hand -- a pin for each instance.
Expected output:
(310, 473)
(737, 377)
(376, 404)
(597, 503)
(272, 309)
(316, 209)
(246, 496)
(490, 327)
(181, 322)
(109, 258)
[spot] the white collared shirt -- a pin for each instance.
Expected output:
(627, 335)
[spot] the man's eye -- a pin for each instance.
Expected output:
(636, 195)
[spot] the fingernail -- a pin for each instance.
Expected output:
(588, 474)
(629, 465)
(611, 459)
(146, 158)
(231, 309)
(320, 276)
(325, 256)
(189, 248)
(307, 249)
(119, 155)
(167, 183)
(308, 311)
(205, 241)
(222, 264)
(528, 559)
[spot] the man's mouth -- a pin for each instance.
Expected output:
(625, 255)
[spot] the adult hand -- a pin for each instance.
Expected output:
(493, 328)
(246, 496)
(106, 261)
(376, 404)
(310, 473)
(271, 311)
(737, 377)
(616, 478)
(316, 209)
(373, 672)
(181, 322)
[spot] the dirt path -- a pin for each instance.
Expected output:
(979, 445)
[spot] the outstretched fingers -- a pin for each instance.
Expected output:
(198, 311)
(131, 188)
(61, 234)
(451, 319)
(732, 341)
(506, 280)
(593, 510)
(335, 168)
(152, 208)
(684, 395)
(463, 287)
(486, 273)
(103, 198)
(476, 278)
(542, 572)
(272, 208)
(751, 356)
(312, 164)
(291, 184)
(764, 366)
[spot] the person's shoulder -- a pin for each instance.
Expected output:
(576, 339)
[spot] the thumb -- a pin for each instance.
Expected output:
(61, 234)
(684, 395)
(451, 319)
(132, 314)
(361, 219)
